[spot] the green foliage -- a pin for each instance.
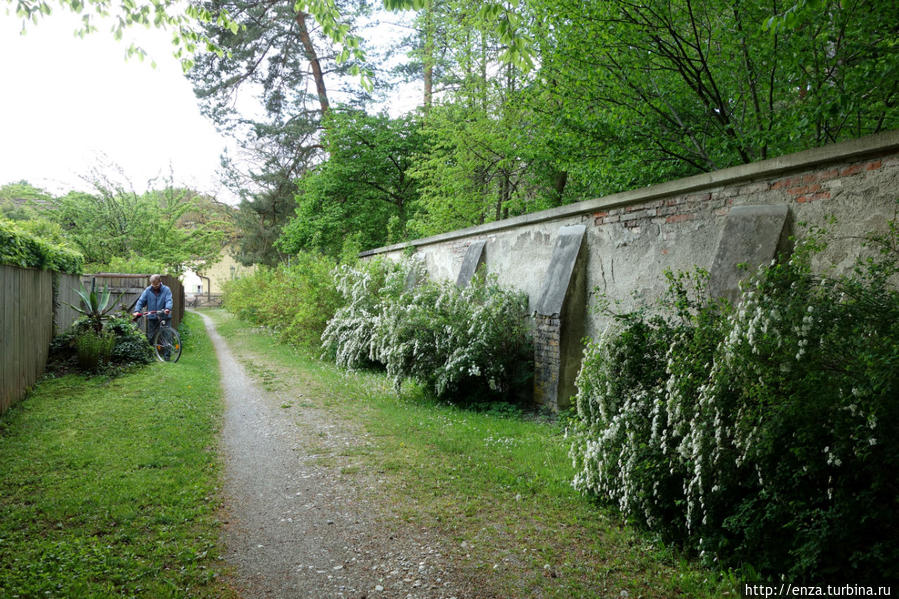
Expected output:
(160, 226)
(259, 220)
(129, 264)
(130, 346)
(21, 201)
(95, 306)
(760, 435)
(673, 88)
(47, 230)
(481, 165)
(464, 344)
(20, 248)
(295, 300)
(363, 189)
(485, 156)
(93, 350)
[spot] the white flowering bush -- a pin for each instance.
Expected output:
(628, 433)
(464, 344)
(366, 288)
(765, 435)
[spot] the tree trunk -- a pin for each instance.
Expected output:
(312, 57)
(560, 180)
(428, 57)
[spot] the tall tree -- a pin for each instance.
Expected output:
(175, 227)
(653, 90)
(483, 159)
(279, 68)
(362, 195)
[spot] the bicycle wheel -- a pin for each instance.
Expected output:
(167, 344)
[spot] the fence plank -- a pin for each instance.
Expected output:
(26, 324)
(6, 340)
(64, 314)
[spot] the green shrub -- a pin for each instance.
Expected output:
(93, 350)
(21, 248)
(469, 345)
(130, 345)
(767, 435)
(296, 300)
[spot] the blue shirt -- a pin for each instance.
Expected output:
(154, 301)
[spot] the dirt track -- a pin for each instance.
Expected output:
(297, 525)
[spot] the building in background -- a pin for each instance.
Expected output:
(205, 288)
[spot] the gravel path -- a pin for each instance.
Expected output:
(297, 525)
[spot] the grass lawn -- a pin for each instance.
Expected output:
(108, 487)
(497, 485)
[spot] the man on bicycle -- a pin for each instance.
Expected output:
(155, 298)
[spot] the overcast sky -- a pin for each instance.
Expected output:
(69, 104)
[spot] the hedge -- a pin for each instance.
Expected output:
(20, 248)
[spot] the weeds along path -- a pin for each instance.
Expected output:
(295, 527)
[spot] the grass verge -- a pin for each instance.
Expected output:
(496, 485)
(108, 487)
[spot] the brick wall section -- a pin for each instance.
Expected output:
(795, 189)
(547, 357)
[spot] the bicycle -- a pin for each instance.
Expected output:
(167, 341)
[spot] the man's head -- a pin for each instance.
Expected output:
(155, 282)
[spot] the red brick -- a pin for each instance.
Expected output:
(679, 218)
(873, 166)
(803, 199)
(851, 170)
(803, 190)
(788, 182)
(600, 214)
(673, 202)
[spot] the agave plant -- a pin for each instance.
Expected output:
(95, 306)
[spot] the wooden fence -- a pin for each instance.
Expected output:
(35, 305)
(26, 327)
(64, 287)
(128, 287)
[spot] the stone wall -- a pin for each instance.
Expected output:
(713, 221)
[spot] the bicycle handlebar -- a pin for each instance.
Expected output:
(152, 312)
